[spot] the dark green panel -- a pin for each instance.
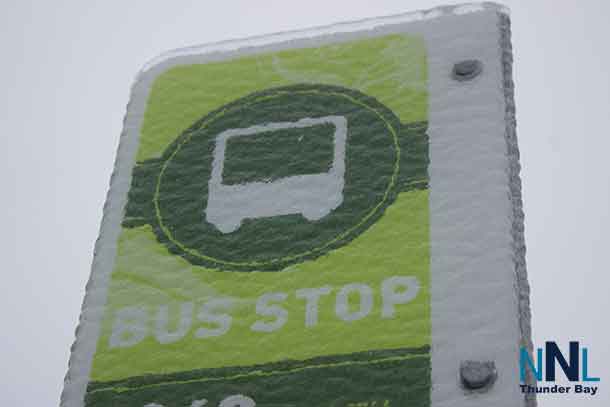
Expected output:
(386, 378)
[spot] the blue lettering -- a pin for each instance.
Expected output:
(570, 369)
(585, 367)
(525, 360)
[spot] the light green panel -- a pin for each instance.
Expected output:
(391, 69)
(397, 245)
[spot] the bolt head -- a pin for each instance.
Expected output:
(467, 69)
(477, 375)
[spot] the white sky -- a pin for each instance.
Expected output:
(65, 75)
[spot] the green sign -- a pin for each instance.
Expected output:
(276, 235)
(325, 218)
(276, 178)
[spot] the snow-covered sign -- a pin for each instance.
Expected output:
(329, 217)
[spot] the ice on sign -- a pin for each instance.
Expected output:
(312, 195)
(336, 209)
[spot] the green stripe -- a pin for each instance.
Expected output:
(258, 373)
(399, 377)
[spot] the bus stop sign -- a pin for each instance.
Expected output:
(328, 217)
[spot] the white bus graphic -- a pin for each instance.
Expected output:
(312, 195)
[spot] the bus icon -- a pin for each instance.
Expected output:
(312, 195)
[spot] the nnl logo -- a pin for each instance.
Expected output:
(551, 354)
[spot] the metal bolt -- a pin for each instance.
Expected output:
(477, 375)
(466, 70)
